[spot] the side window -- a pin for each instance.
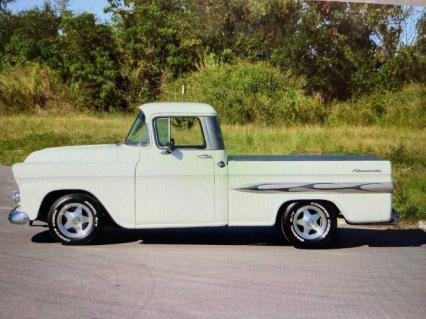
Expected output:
(185, 131)
(163, 130)
(138, 134)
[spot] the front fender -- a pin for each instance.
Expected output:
(111, 183)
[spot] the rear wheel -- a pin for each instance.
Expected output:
(75, 219)
(309, 224)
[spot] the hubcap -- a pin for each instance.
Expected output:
(310, 222)
(75, 220)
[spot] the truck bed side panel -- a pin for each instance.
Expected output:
(360, 187)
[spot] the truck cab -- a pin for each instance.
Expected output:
(182, 169)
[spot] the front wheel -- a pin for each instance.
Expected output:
(309, 224)
(75, 219)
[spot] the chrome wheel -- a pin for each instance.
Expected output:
(75, 220)
(309, 222)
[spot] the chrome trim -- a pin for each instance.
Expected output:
(204, 156)
(318, 187)
(221, 164)
(357, 170)
(16, 197)
(18, 218)
(272, 158)
(309, 222)
(75, 220)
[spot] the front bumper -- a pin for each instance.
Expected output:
(18, 217)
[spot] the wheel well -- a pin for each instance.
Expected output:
(287, 205)
(51, 197)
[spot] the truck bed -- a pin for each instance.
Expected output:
(360, 186)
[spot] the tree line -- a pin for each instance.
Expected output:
(340, 50)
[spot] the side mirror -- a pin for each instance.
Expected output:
(170, 147)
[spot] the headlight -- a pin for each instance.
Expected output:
(16, 197)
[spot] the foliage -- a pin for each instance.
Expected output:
(406, 66)
(244, 29)
(3, 4)
(155, 38)
(90, 63)
(340, 47)
(406, 107)
(421, 36)
(249, 92)
(29, 36)
(245, 92)
(32, 87)
(341, 50)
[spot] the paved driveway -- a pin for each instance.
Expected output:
(209, 273)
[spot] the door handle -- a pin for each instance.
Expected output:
(204, 156)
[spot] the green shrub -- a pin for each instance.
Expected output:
(245, 92)
(406, 107)
(410, 187)
(32, 87)
(90, 63)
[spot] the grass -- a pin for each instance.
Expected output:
(33, 87)
(405, 147)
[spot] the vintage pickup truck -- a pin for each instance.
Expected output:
(173, 170)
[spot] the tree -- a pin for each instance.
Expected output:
(155, 39)
(341, 50)
(29, 36)
(421, 35)
(4, 3)
(244, 29)
(409, 62)
(90, 62)
(340, 47)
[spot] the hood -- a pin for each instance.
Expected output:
(86, 153)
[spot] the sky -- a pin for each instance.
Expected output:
(97, 6)
(78, 6)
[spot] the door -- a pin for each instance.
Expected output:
(176, 187)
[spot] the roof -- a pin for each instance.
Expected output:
(177, 108)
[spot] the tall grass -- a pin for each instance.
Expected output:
(32, 88)
(405, 147)
(406, 107)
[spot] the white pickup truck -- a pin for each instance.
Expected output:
(173, 170)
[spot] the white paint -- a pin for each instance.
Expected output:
(261, 208)
(177, 108)
(142, 188)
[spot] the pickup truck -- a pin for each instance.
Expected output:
(173, 170)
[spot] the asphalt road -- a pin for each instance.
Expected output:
(209, 273)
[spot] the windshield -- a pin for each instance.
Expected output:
(138, 134)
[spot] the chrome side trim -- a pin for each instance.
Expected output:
(318, 187)
(261, 158)
(18, 218)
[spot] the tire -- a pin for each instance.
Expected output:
(309, 224)
(75, 219)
